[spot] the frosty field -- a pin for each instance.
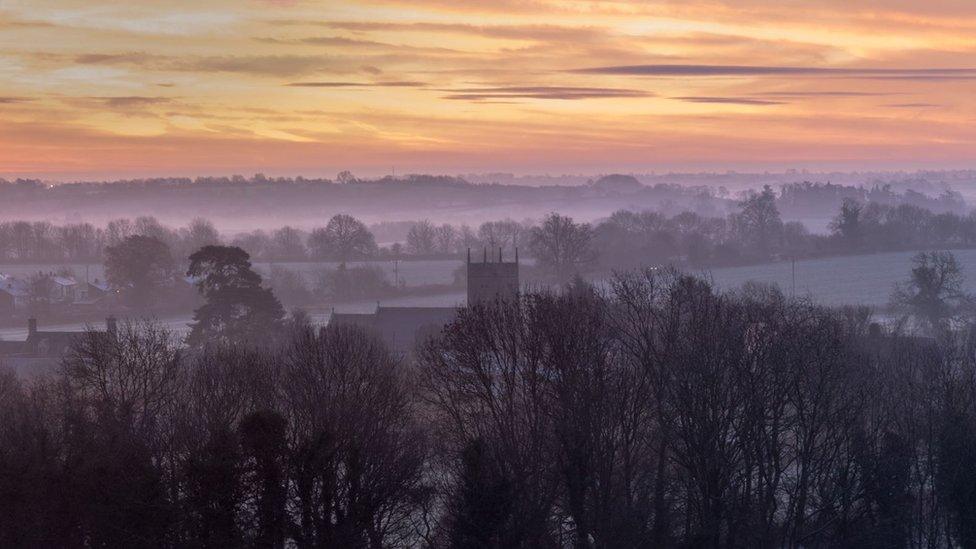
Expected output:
(861, 279)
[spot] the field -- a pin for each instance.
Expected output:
(411, 273)
(862, 279)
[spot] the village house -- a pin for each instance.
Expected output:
(64, 288)
(43, 350)
(93, 292)
(14, 295)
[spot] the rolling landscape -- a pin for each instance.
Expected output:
(488, 274)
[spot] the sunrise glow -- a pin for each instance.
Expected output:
(111, 89)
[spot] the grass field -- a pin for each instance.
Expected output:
(862, 279)
(411, 273)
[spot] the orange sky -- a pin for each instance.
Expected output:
(153, 87)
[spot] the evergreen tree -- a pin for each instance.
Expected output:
(139, 266)
(483, 502)
(237, 308)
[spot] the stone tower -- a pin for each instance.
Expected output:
(492, 279)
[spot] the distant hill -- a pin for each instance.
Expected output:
(618, 183)
(246, 203)
(242, 204)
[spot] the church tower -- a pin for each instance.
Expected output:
(491, 280)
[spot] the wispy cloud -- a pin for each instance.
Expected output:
(912, 105)
(542, 92)
(260, 65)
(758, 71)
(132, 101)
(611, 80)
(805, 94)
(512, 32)
(390, 84)
(728, 100)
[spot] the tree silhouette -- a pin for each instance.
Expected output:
(561, 246)
(140, 266)
(759, 220)
(848, 225)
(422, 238)
(483, 504)
(344, 238)
(237, 308)
(265, 446)
(934, 294)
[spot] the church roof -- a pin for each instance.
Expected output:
(401, 327)
(10, 348)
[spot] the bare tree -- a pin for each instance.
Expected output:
(934, 294)
(421, 239)
(344, 238)
(561, 246)
(357, 456)
(759, 220)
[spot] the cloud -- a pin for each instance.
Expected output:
(260, 65)
(802, 94)
(541, 92)
(392, 84)
(918, 77)
(912, 105)
(11, 100)
(511, 32)
(355, 44)
(266, 65)
(728, 100)
(128, 102)
(757, 70)
(137, 58)
(24, 24)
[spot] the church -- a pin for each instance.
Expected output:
(402, 327)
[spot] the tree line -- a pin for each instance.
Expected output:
(754, 232)
(651, 412)
(342, 238)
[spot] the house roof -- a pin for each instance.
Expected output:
(51, 343)
(14, 286)
(100, 284)
(401, 327)
(26, 367)
(65, 281)
(366, 320)
(10, 348)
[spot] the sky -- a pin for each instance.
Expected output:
(92, 89)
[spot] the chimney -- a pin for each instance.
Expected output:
(31, 327)
(112, 325)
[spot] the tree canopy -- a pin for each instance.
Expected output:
(934, 294)
(140, 266)
(561, 246)
(237, 307)
(344, 238)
